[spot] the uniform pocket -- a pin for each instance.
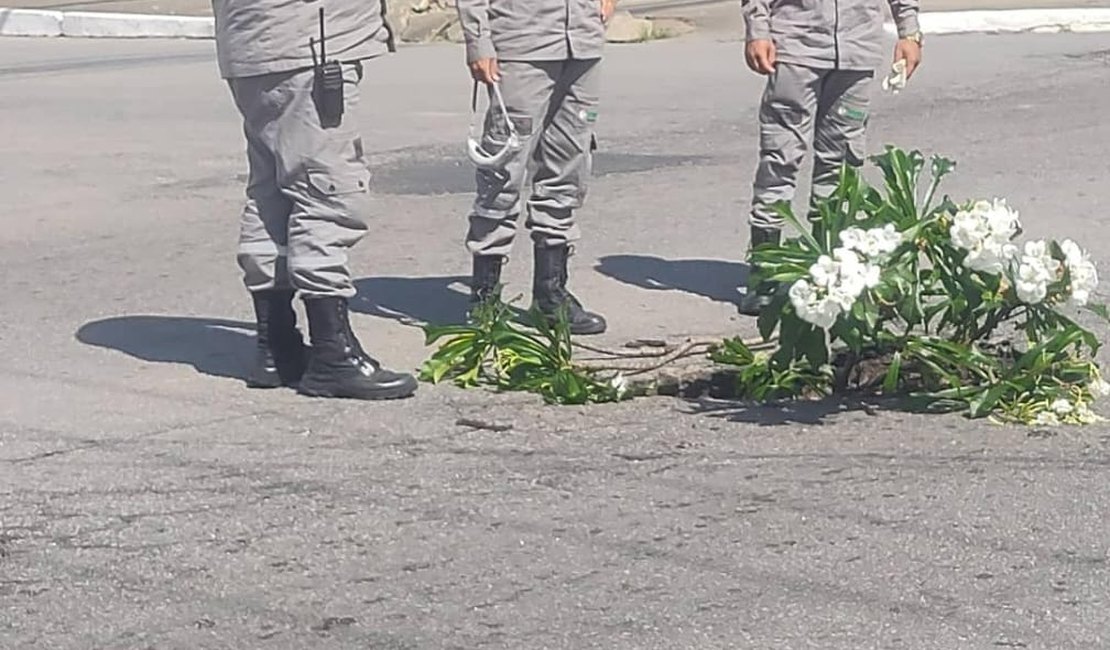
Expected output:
(334, 183)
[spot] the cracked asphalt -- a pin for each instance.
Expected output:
(150, 501)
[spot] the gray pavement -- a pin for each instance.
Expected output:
(149, 500)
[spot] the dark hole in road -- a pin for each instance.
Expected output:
(451, 173)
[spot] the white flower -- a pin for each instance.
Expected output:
(873, 243)
(1035, 271)
(821, 311)
(824, 272)
(985, 231)
(1031, 293)
(886, 239)
(872, 276)
(824, 313)
(1038, 250)
(851, 279)
(1002, 221)
(1062, 407)
(852, 238)
(969, 231)
(801, 293)
(985, 260)
(847, 257)
(835, 283)
(842, 298)
(1073, 254)
(1098, 388)
(1046, 419)
(1083, 274)
(1085, 415)
(619, 384)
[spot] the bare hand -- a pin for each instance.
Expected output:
(485, 70)
(760, 55)
(908, 50)
(608, 8)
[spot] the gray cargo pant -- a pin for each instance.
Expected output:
(831, 106)
(308, 188)
(553, 105)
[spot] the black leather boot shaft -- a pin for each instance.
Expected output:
(551, 297)
(338, 366)
(760, 236)
(757, 297)
(485, 280)
(280, 356)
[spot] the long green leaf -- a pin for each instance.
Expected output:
(893, 374)
(784, 210)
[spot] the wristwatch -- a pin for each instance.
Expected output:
(916, 37)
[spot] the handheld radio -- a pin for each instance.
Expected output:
(328, 83)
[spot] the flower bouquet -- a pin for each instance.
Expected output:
(894, 292)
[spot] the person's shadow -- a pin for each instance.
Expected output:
(435, 300)
(216, 347)
(718, 280)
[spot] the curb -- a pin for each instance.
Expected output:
(88, 24)
(93, 24)
(1003, 21)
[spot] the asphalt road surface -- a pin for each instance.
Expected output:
(149, 500)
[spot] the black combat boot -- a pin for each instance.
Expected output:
(485, 280)
(550, 295)
(281, 356)
(338, 366)
(757, 297)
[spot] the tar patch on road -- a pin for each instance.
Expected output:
(1102, 56)
(428, 172)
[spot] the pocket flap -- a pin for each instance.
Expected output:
(333, 183)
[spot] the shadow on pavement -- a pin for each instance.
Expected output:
(784, 413)
(438, 300)
(221, 348)
(718, 280)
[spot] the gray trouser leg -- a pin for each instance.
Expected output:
(264, 224)
(799, 102)
(785, 124)
(563, 157)
(321, 176)
(552, 105)
(840, 134)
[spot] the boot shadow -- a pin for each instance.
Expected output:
(717, 280)
(414, 301)
(215, 347)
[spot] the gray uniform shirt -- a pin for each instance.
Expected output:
(827, 34)
(256, 37)
(532, 30)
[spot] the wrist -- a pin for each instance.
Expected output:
(914, 37)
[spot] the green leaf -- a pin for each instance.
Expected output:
(987, 401)
(814, 346)
(771, 316)
(433, 333)
(893, 374)
(733, 352)
(1099, 310)
(784, 210)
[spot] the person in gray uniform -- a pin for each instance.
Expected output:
(819, 57)
(544, 56)
(308, 183)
